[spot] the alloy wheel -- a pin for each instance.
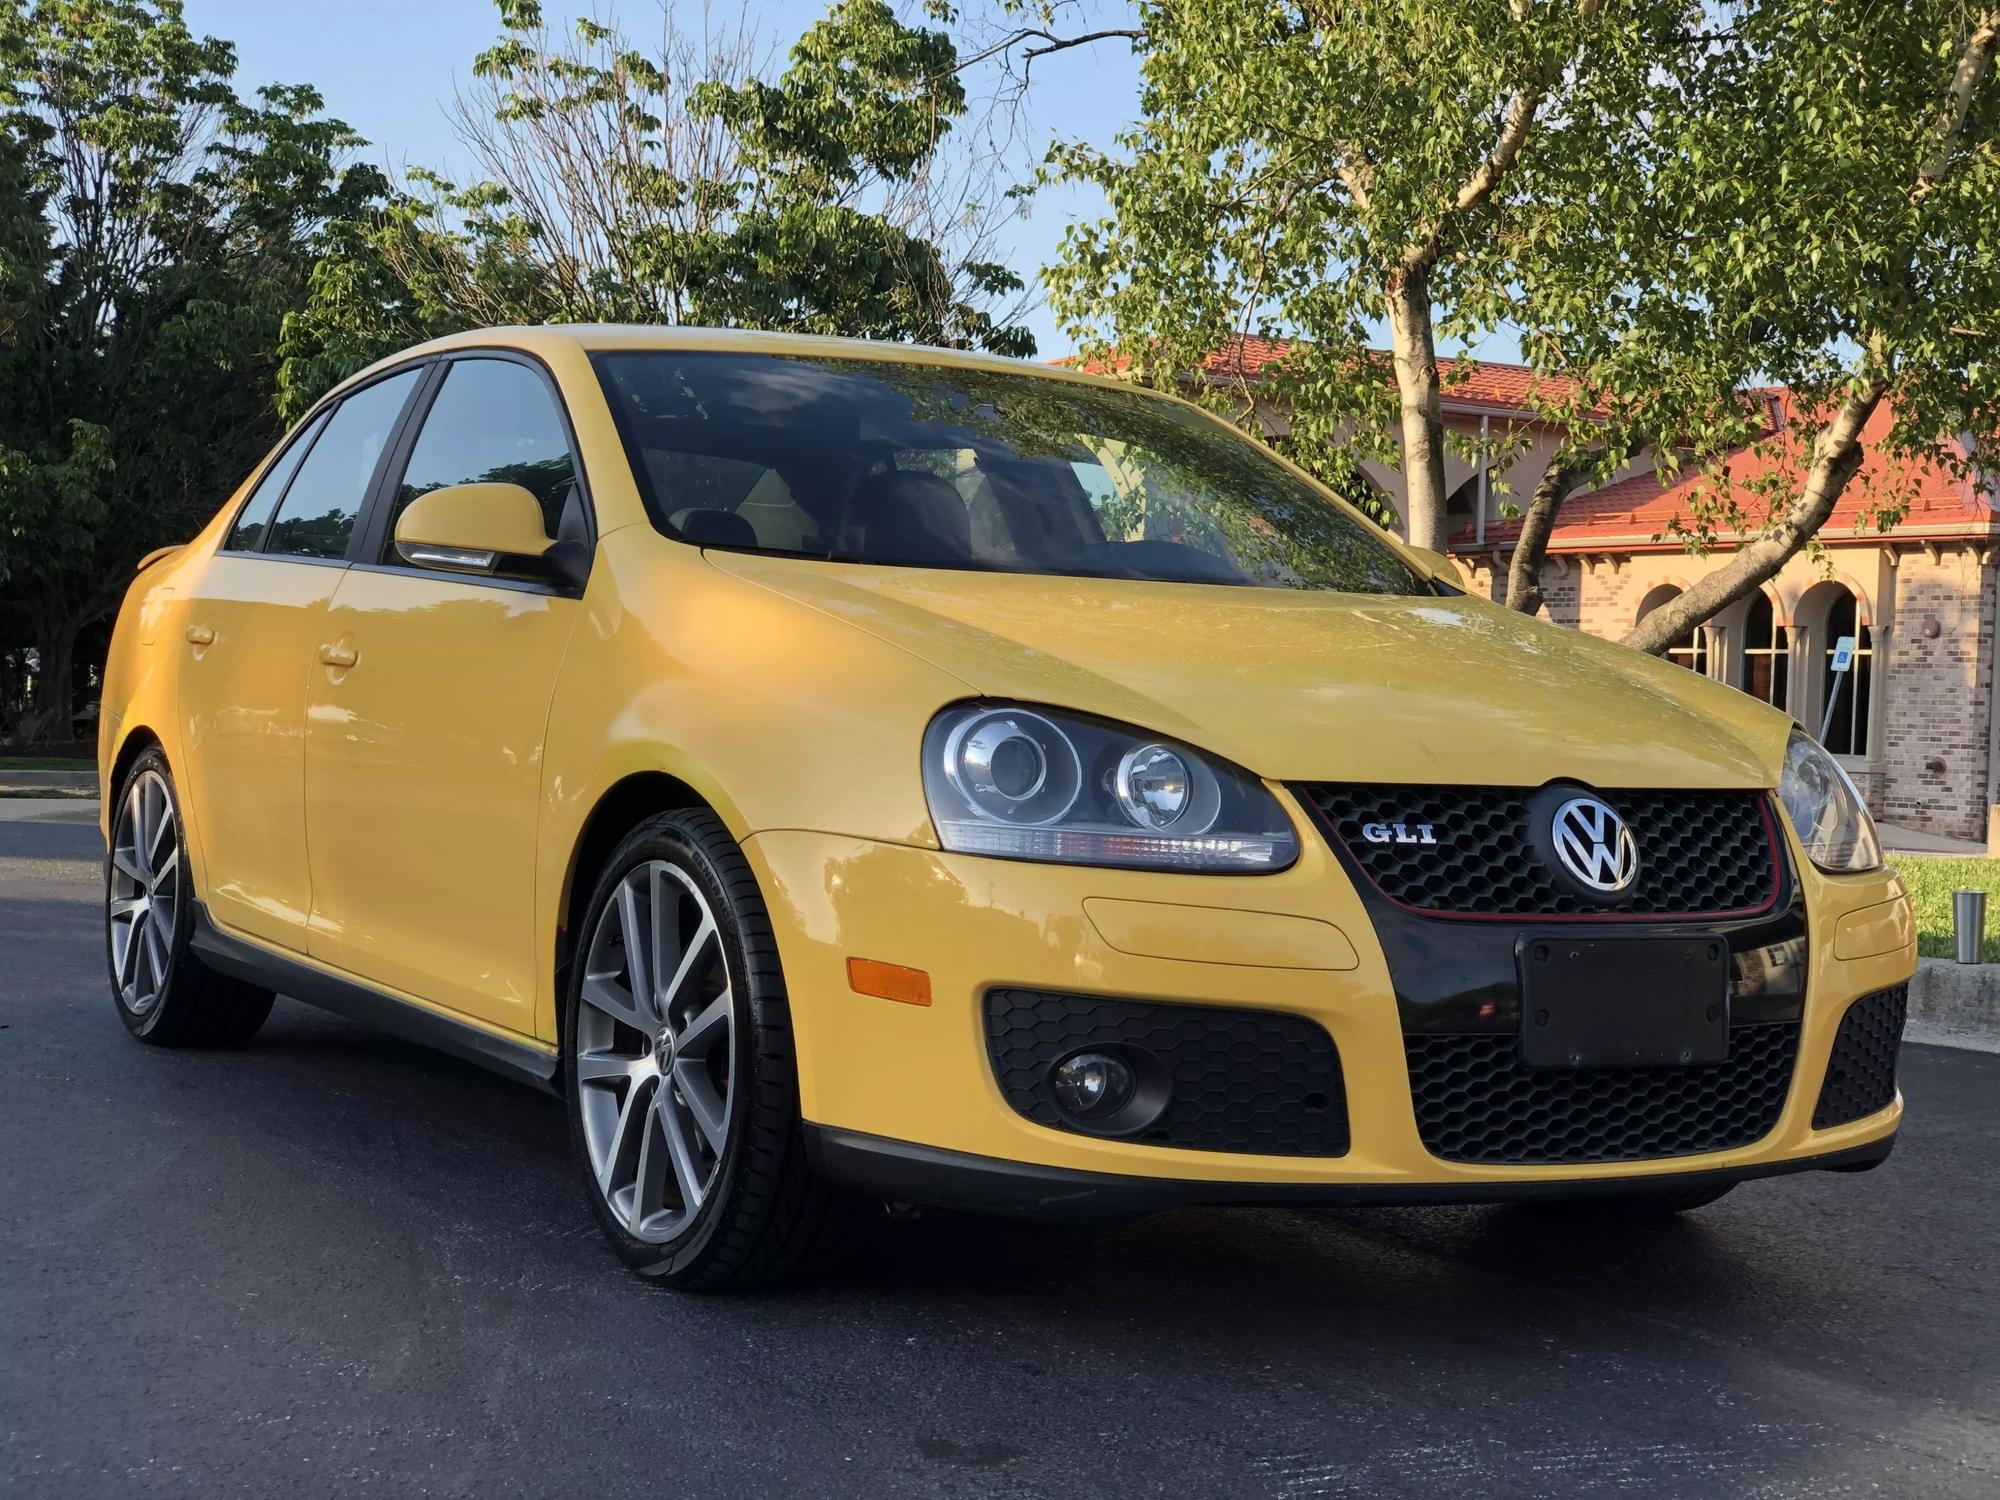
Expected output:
(655, 1051)
(144, 892)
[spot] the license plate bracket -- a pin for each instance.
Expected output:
(1623, 1002)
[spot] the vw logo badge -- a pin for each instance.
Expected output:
(1594, 845)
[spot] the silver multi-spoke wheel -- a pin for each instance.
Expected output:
(144, 892)
(655, 1051)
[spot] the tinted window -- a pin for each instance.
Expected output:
(250, 520)
(493, 422)
(931, 466)
(318, 512)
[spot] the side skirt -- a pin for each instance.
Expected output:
(360, 1002)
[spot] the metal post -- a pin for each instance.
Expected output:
(1832, 699)
(1479, 523)
(1968, 922)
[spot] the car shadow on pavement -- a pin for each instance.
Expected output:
(1247, 1288)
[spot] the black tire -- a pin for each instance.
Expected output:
(192, 1005)
(767, 1215)
(1661, 1204)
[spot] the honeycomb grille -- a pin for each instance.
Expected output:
(1477, 1102)
(1241, 1080)
(1700, 853)
(1861, 1072)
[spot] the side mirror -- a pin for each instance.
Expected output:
(484, 528)
(1441, 565)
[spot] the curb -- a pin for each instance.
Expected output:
(69, 781)
(1963, 999)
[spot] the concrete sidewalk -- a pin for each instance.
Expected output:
(1899, 840)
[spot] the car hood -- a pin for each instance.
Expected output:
(1301, 686)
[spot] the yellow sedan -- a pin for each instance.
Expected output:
(849, 773)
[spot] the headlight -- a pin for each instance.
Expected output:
(1825, 809)
(1040, 784)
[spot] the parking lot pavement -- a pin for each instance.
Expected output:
(333, 1263)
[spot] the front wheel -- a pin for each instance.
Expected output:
(164, 993)
(678, 1066)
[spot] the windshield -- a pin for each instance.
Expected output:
(928, 466)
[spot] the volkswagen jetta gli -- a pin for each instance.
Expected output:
(846, 772)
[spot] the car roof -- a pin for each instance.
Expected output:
(596, 337)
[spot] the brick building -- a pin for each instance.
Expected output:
(1913, 722)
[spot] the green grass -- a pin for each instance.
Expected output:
(1931, 879)
(43, 763)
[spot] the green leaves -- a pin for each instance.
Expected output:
(681, 186)
(154, 229)
(1704, 199)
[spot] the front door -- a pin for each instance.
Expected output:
(425, 722)
(250, 629)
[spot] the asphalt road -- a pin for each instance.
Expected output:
(337, 1264)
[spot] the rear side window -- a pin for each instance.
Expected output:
(256, 512)
(316, 517)
(493, 422)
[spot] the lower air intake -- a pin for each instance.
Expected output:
(1861, 1072)
(1477, 1102)
(1255, 1081)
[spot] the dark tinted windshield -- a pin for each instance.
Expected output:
(934, 467)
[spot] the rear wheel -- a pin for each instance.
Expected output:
(677, 1055)
(164, 993)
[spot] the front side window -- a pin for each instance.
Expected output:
(926, 466)
(492, 422)
(317, 515)
(248, 530)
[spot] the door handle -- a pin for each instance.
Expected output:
(200, 635)
(337, 656)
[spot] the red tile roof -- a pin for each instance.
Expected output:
(1467, 382)
(1636, 513)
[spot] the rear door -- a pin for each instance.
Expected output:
(426, 720)
(251, 626)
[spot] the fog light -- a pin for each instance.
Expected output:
(1093, 1085)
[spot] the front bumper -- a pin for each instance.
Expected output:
(902, 1100)
(902, 1172)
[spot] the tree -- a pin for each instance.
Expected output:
(1826, 188)
(1671, 203)
(1314, 169)
(681, 186)
(156, 228)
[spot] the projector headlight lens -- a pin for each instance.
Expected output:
(1044, 784)
(1826, 811)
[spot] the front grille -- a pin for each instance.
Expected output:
(1255, 1081)
(1477, 1102)
(1861, 1070)
(1700, 853)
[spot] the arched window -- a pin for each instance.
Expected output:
(1847, 731)
(1461, 506)
(1691, 650)
(1765, 669)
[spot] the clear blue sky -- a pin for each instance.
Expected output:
(389, 68)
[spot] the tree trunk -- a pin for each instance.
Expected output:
(55, 683)
(1565, 474)
(1524, 572)
(1409, 295)
(1837, 454)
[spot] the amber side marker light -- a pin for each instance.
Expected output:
(869, 976)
